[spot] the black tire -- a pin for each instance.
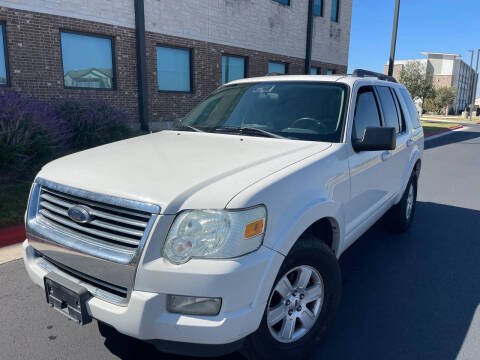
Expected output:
(314, 253)
(397, 218)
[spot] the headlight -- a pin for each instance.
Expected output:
(218, 234)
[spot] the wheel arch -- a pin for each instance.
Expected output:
(326, 230)
(324, 220)
(414, 165)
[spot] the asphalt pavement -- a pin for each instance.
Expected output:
(409, 296)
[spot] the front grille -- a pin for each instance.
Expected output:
(104, 252)
(110, 225)
(101, 287)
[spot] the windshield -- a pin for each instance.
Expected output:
(296, 110)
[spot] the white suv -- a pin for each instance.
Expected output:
(224, 232)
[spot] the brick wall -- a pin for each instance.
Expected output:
(397, 69)
(33, 41)
(36, 65)
(442, 80)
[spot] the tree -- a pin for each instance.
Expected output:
(417, 80)
(445, 97)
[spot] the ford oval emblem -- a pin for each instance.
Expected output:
(79, 214)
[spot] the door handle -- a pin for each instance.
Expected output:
(386, 155)
(409, 142)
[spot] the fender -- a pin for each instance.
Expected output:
(286, 235)
(415, 155)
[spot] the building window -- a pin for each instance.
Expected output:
(277, 67)
(335, 8)
(173, 69)
(314, 70)
(283, 2)
(233, 68)
(87, 61)
(318, 7)
(331, 72)
(3, 57)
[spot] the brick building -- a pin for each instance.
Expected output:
(448, 70)
(92, 49)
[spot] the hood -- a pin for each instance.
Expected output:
(178, 170)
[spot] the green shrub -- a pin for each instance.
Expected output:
(30, 133)
(93, 123)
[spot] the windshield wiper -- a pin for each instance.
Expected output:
(185, 127)
(249, 131)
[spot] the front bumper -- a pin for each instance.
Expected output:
(243, 284)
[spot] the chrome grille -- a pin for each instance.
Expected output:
(113, 225)
(104, 252)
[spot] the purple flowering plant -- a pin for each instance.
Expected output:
(30, 133)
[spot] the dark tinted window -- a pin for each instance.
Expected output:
(233, 68)
(314, 70)
(390, 116)
(277, 67)
(412, 109)
(335, 9)
(173, 69)
(295, 110)
(400, 111)
(366, 112)
(318, 7)
(87, 61)
(3, 61)
(284, 2)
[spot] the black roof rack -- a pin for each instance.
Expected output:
(368, 73)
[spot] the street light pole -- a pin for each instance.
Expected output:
(470, 89)
(394, 38)
(474, 91)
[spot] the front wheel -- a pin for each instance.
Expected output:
(301, 306)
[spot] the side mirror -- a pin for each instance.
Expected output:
(376, 139)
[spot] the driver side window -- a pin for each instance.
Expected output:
(366, 112)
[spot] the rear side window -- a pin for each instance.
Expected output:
(390, 115)
(366, 112)
(412, 109)
(400, 111)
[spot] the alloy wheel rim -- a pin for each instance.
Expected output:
(410, 200)
(295, 304)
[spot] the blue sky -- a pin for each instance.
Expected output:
(425, 25)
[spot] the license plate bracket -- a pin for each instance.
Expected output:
(67, 297)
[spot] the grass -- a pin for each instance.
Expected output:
(13, 202)
(430, 127)
(451, 118)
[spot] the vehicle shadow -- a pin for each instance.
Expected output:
(412, 295)
(455, 137)
(405, 296)
(126, 347)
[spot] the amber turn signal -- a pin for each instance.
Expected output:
(254, 228)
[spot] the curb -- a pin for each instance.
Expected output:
(12, 235)
(443, 131)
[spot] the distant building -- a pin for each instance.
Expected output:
(477, 101)
(447, 70)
